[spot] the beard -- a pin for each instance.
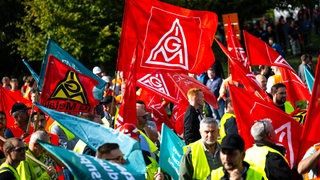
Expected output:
(281, 101)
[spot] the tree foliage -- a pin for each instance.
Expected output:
(89, 29)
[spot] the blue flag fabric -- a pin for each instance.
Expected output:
(87, 167)
(171, 152)
(33, 73)
(94, 135)
(309, 79)
(54, 49)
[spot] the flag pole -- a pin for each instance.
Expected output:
(29, 121)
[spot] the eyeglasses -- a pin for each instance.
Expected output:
(144, 116)
(118, 158)
(20, 149)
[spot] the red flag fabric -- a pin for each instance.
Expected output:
(241, 74)
(235, 48)
(67, 90)
(167, 85)
(310, 132)
(7, 100)
(260, 53)
(128, 112)
(169, 38)
(177, 117)
(249, 108)
(154, 104)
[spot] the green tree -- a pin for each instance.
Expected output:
(89, 29)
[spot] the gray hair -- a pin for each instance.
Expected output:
(261, 129)
(39, 135)
(208, 120)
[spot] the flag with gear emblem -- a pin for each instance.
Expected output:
(66, 89)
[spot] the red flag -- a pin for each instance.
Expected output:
(260, 53)
(128, 112)
(169, 38)
(67, 90)
(235, 48)
(177, 117)
(155, 106)
(167, 85)
(242, 75)
(7, 100)
(249, 108)
(310, 132)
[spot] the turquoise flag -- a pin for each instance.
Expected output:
(54, 49)
(309, 79)
(171, 152)
(94, 135)
(34, 74)
(87, 167)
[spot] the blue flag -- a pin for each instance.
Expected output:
(171, 152)
(309, 79)
(34, 74)
(94, 135)
(87, 167)
(54, 49)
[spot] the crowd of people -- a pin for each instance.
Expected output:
(214, 149)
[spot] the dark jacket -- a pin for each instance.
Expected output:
(191, 125)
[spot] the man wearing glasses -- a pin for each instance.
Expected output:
(14, 149)
(111, 152)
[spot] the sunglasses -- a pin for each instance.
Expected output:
(20, 149)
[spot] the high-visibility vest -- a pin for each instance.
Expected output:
(6, 167)
(222, 131)
(251, 174)
(257, 155)
(288, 107)
(201, 169)
(69, 135)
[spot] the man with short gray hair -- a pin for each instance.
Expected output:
(202, 156)
(265, 154)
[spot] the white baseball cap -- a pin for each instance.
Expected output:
(96, 70)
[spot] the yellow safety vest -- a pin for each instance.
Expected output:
(69, 135)
(79, 147)
(152, 146)
(256, 157)
(251, 174)
(151, 169)
(6, 167)
(222, 131)
(201, 169)
(288, 107)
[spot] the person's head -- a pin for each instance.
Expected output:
(142, 118)
(209, 131)
(130, 130)
(195, 97)
(262, 80)
(6, 81)
(107, 104)
(232, 152)
(211, 73)
(97, 71)
(34, 95)
(279, 94)
(228, 105)
(262, 130)
(3, 121)
(42, 122)
(19, 112)
(111, 152)
(14, 83)
(14, 150)
(140, 104)
(305, 58)
(271, 41)
(36, 149)
(275, 69)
